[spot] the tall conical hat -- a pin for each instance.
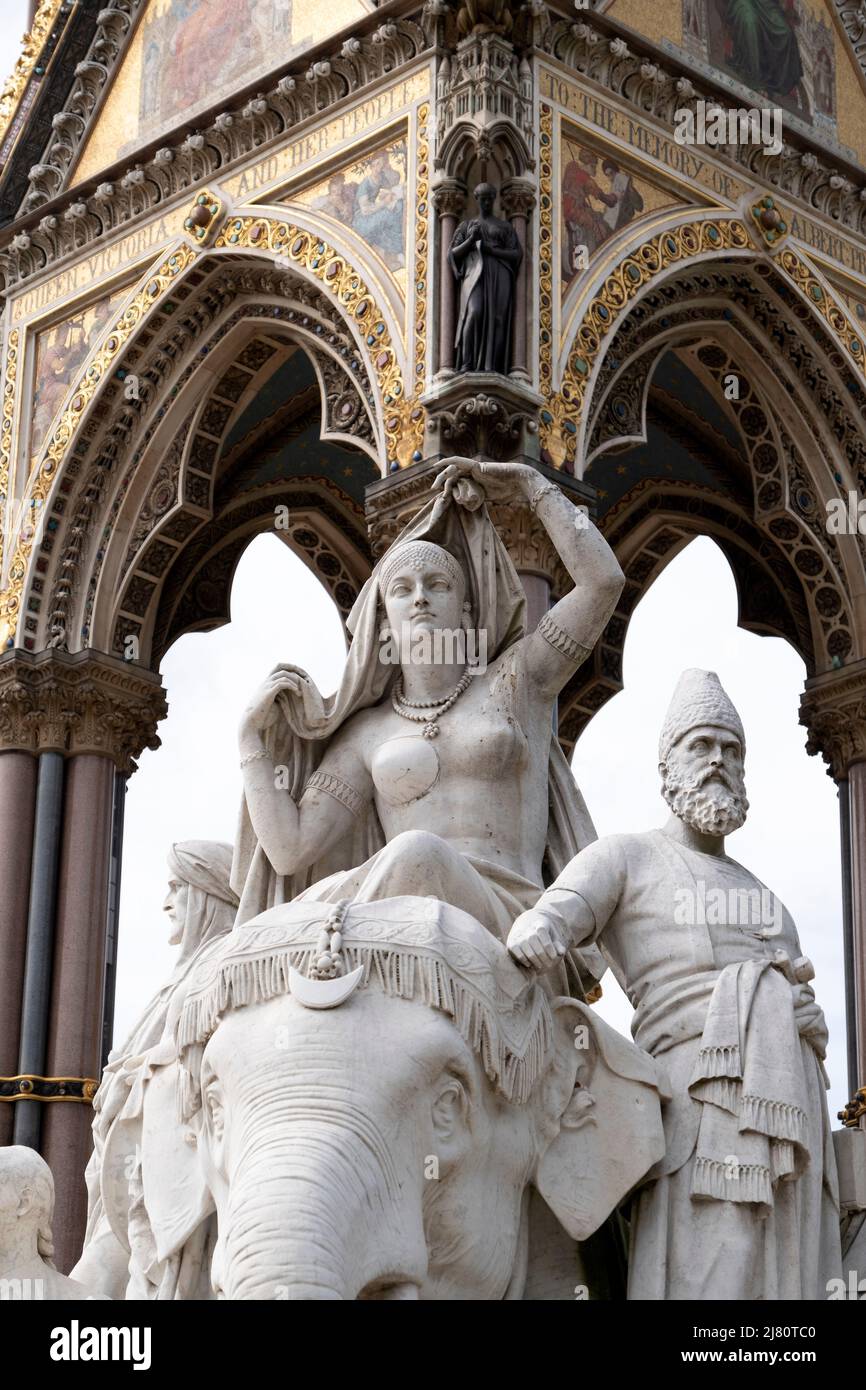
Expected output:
(698, 699)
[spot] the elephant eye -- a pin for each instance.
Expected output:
(214, 1107)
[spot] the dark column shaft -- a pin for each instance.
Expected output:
(113, 925)
(17, 808)
(447, 293)
(848, 934)
(75, 1036)
(857, 783)
(520, 313)
(40, 941)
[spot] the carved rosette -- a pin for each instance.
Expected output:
(833, 709)
(83, 703)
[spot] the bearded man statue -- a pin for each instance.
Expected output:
(745, 1204)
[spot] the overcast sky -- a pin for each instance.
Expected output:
(190, 788)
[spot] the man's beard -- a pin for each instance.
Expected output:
(711, 810)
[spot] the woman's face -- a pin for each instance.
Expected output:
(175, 905)
(422, 598)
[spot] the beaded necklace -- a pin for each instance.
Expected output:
(427, 712)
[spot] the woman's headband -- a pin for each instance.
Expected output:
(416, 555)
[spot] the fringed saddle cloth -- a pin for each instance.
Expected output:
(409, 947)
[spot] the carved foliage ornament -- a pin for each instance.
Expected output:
(833, 710)
(81, 704)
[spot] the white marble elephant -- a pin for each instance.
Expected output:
(385, 1148)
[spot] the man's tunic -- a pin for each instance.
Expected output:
(744, 1204)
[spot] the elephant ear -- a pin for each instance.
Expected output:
(176, 1196)
(601, 1100)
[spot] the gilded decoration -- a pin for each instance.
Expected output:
(560, 420)
(545, 251)
(60, 353)
(17, 81)
(422, 222)
(808, 284)
(769, 221)
(293, 245)
(6, 424)
(203, 218)
(153, 290)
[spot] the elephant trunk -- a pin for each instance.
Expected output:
(320, 1215)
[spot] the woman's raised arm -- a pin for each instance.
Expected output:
(568, 632)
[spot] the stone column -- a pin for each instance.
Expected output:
(833, 709)
(518, 200)
(76, 1006)
(449, 198)
(88, 715)
(857, 783)
(17, 808)
(40, 945)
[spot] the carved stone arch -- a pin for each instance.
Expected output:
(500, 150)
(796, 423)
(778, 423)
(690, 239)
(325, 530)
(150, 341)
(172, 493)
(647, 529)
(786, 498)
(484, 111)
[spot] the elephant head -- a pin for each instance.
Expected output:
(385, 1148)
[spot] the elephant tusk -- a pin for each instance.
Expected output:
(323, 994)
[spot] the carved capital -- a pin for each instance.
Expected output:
(529, 545)
(517, 198)
(84, 703)
(833, 709)
(449, 198)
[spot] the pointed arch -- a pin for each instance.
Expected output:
(150, 341)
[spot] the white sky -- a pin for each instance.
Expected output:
(13, 25)
(190, 788)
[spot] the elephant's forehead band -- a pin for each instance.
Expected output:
(409, 948)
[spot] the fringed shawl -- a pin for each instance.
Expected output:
(410, 948)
